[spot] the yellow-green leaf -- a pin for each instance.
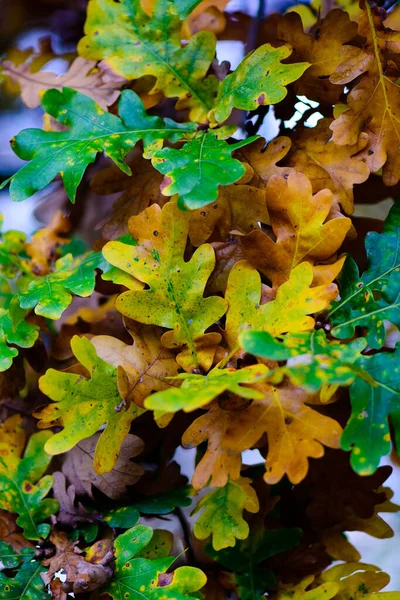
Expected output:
(175, 296)
(84, 405)
(223, 514)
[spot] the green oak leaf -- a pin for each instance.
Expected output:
(51, 294)
(223, 514)
(136, 577)
(368, 300)
(84, 405)
(198, 390)
(22, 487)
(91, 130)
(250, 580)
(258, 80)
(312, 359)
(14, 330)
(367, 431)
(134, 45)
(195, 171)
(26, 585)
(9, 559)
(123, 517)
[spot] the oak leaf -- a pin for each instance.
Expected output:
(303, 233)
(373, 104)
(259, 79)
(198, 390)
(196, 170)
(223, 514)
(328, 165)
(22, 487)
(139, 190)
(238, 207)
(134, 45)
(26, 585)
(367, 431)
(51, 294)
(219, 463)
(136, 576)
(70, 152)
(358, 580)
(175, 296)
(289, 312)
(324, 47)
(295, 433)
(78, 468)
(148, 365)
(16, 331)
(81, 76)
(368, 300)
(83, 405)
(312, 359)
(71, 512)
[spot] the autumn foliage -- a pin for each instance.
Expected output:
(196, 286)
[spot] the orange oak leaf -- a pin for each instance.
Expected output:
(303, 232)
(295, 431)
(374, 102)
(262, 158)
(44, 243)
(323, 47)
(328, 165)
(218, 463)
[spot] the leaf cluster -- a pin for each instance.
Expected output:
(206, 300)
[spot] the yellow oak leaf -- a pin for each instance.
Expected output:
(303, 230)
(289, 312)
(175, 296)
(374, 103)
(358, 581)
(300, 591)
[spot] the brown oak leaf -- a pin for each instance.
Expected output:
(139, 190)
(328, 165)
(82, 75)
(78, 468)
(323, 47)
(374, 102)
